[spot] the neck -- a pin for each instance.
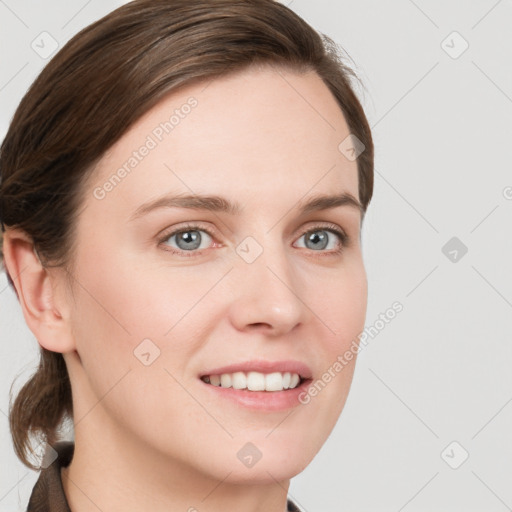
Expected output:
(112, 471)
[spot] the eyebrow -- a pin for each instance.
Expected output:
(215, 203)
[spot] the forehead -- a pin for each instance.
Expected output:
(261, 132)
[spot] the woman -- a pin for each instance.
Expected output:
(166, 181)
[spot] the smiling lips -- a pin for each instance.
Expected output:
(260, 385)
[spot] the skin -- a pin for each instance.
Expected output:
(150, 437)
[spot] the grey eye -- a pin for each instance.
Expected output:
(188, 240)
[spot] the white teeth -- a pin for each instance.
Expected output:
(274, 382)
(255, 381)
(225, 380)
(294, 380)
(239, 380)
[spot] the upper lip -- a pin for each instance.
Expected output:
(263, 366)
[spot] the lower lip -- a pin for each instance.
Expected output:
(262, 400)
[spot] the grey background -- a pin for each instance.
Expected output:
(440, 371)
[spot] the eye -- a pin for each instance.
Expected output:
(318, 237)
(188, 239)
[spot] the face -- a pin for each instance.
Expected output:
(169, 293)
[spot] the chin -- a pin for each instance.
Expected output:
(265, 472)
(266, 458)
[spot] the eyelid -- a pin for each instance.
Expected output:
(190, 226)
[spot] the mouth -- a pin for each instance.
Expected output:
(255, 381)
(259, 385)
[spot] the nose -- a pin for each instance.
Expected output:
(268, 295)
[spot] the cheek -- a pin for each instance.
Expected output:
(129, 364)
(342, 306)
(148, 320)
(130, 300)
(342, 310)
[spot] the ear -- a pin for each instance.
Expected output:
(41, 292)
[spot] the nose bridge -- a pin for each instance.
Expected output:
(269, 292)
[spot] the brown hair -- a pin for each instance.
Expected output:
(103, 80)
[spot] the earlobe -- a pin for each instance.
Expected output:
(44, 311)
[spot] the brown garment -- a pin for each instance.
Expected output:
(48, 493)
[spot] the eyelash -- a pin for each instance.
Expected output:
(332, 228)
